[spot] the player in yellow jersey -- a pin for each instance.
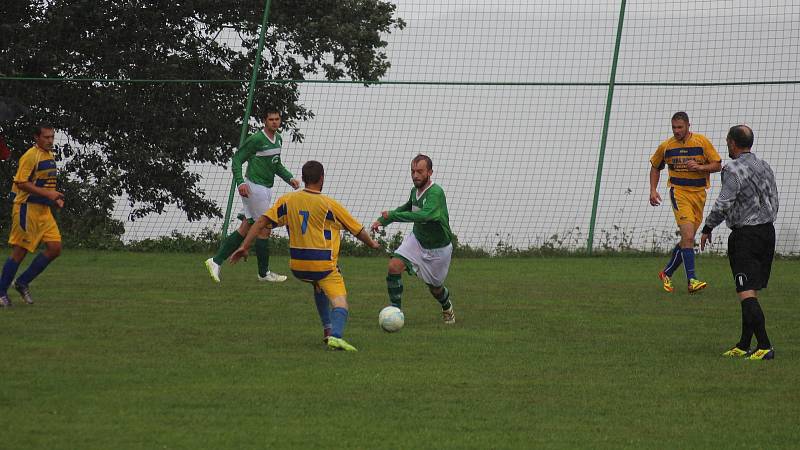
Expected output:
(690, 159)
(32, 220)
(314, 221)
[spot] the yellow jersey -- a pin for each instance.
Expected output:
(675, 154)
(313, 221)
(39, 167)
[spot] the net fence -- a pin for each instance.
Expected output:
(511, 101)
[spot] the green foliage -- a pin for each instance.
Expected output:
(390, 243)
(206, 241)
(86, 219)
(140, 138)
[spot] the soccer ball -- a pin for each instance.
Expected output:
(391, 319)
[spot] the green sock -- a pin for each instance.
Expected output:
(444, 299)
(228, 246)
(394, 283)
(262, 254)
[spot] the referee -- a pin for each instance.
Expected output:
(748, 203)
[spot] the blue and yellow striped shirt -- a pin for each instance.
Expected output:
(675, 154)
(313, 221)
(39, 167)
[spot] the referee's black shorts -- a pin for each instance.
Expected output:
(750, 251)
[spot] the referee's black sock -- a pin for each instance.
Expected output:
(758, 322)
(747, 327)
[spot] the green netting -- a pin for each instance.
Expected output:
(510, 99)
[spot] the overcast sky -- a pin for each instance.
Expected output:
(518, 163)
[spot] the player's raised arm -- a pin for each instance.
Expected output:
(364, 237)
(382, 221)
(430, 211)
(346, 220)
(252, 234)
(270, 219)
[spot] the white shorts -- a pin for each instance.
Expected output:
(430, 264)
(258, 202)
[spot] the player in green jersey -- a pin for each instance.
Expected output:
(427, 250)
(262, 153)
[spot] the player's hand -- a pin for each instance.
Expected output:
(294, 183)
(375, 226)
(693, 165)
(655, 198)
(374, 244)
(60, 203)
(239, 254)
(244, 190)
(705, 238)
(385, 215)
(53, 195)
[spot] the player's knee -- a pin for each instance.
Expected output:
(52, 251)
(436, 291)
(244, 227)
(339, 302)
(18, 254)
(396, 266)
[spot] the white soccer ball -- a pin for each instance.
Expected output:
(391, 319)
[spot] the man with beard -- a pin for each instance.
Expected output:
(427, 250)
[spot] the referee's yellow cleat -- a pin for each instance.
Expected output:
(696, 286)
(767, 353)
(735, 352)
(666, 280)
(335, 343)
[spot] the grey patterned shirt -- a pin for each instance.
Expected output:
(749, 194)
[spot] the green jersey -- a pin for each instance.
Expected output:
(263, 158)
(428, 211)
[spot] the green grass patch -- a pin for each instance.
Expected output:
(141, 350)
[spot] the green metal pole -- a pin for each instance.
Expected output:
(609, 102)
(247, 109)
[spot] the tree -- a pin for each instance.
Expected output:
(137, 138)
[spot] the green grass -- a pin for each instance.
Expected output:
(132, 350)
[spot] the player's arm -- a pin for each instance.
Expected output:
(364, 237)
(54, 196)
(727, 195)
(404, 207)
(242, 155)
(275, 217)
(22, 179)
(710, 167)
(656, 166)
(346, 220)
(383, 220)
(428, 212)
(714, 162)
(285, 175)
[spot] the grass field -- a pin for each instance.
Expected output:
(140, 350)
